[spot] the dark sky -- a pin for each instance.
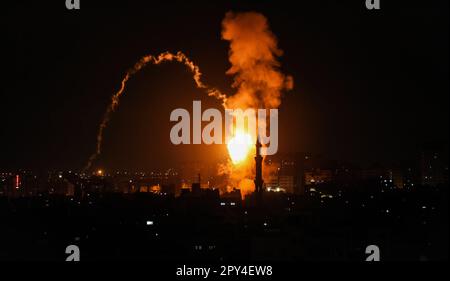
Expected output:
(369, 85)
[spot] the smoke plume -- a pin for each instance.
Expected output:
(144, 61)
(253, 56)
(258, 81)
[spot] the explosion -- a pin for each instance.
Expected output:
(239, 147)
(258, 81)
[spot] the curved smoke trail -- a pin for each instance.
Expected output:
(144, 61)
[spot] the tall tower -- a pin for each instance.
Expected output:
(258, 161)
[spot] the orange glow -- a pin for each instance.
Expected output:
(247, 186)
(155, 189)
(17, 182)
(239, 147)
(258, 83)
(99, 173)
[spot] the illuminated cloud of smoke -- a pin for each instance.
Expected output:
(253, 56)
(258, 81)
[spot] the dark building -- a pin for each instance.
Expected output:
(258, 164)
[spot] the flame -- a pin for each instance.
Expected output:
(257, 80)
(239, 147)
(258, 83)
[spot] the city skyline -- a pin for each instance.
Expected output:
(225, 138)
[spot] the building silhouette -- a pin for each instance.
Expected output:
(258, 165)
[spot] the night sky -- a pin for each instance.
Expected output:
(369, 85)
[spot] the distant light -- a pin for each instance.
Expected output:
(99, 172)
(265, 224)
(232, 203)
(17, 182)
(149, 223)
(60, 176)
(222, 203)
(424, 207)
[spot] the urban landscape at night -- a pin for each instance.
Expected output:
(143, 213)
(227, 139)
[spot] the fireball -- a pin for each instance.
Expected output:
(239, 147)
